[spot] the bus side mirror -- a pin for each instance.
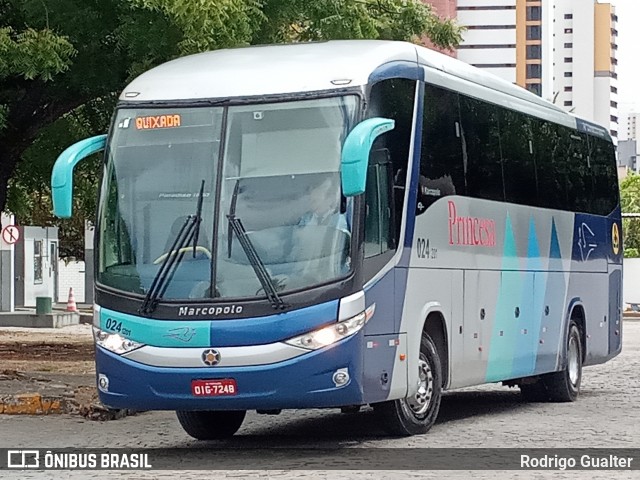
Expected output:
(62, 174)
(355, 153)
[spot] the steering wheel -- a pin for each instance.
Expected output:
(201, 250)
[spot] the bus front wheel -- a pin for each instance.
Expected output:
(205, 425)
(416, 414)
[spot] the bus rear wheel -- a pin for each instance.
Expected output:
(415, 415)
(562, 386)
(206, 425)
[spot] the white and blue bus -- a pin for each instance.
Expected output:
(343, 224)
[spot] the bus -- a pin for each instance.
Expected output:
(345, 224)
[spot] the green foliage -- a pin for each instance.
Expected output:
(33, 54)
(30, 189)
(630, 202)
(209, 24)
(301, 20)
(63, 63)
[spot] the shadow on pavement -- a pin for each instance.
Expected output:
(332, 429)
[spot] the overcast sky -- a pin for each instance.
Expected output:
(628, 12)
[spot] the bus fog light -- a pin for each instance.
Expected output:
(103, 383)
(330, 334)
(341, 377)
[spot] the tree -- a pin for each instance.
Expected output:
(630, 203)
(63, 62)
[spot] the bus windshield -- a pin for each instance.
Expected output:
(273, 169)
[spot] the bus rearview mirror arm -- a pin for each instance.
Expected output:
(355, 153)
(62, 174)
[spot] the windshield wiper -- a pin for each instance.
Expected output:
(198, 219)
(232, 213)
(258, 266)
(189, 231)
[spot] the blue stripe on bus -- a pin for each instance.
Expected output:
(413, 185)
(219, 333)
(275, 328)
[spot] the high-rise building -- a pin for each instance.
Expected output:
(510, 38)
(632, 126)
(628, 155)
(530, 42)
(585, 61)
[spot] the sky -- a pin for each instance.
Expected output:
(628, 12)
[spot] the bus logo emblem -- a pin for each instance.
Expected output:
(615, 239)
(211, 357)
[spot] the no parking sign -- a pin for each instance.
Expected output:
(10, 234)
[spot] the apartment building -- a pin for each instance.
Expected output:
(531, 43)
(512, 39)
(585, 61)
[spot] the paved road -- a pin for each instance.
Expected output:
(606, 415)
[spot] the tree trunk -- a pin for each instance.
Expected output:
(9, 157)
(35, 111)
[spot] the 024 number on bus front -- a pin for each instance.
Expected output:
(116, 326)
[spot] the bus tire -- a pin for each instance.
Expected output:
(416, 415)
(206, 425)
(564, 386)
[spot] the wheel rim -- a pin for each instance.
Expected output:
(574, 361)
(420, 402)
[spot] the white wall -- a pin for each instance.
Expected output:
(488, 37)
(485, 3)
(46, 285)
(71, 275)
(497, 55)
(631, 280)
(487, 17)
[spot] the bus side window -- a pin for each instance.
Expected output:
(385, 190)
(604, 175)
(379, 231)
(550, 168)
(481, 144)
(442, 166)
(518, 158)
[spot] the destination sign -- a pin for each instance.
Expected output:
(158, 121)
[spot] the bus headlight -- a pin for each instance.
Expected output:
(330, 334)
(114, 342)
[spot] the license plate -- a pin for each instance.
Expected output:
(214, 388)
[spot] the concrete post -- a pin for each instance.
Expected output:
(88, 262)
(7, 302)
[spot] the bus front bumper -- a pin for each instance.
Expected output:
(306, 381)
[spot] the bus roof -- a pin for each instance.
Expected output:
(268, 70)
(308, 67)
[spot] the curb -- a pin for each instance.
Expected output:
(37, 404)
(32, 404)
